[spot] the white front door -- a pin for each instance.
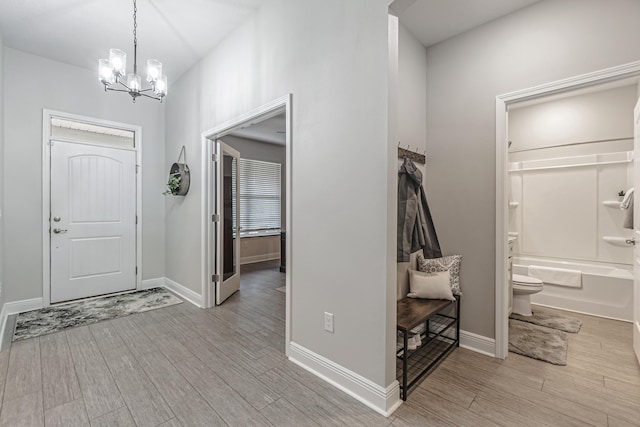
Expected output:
(93, 220)
(636, 233)
(227, 241)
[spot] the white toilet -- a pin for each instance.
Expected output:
(523, 287)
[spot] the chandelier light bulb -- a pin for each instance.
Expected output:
(134, 82)
(105, 72)
(154, 70)
(118, 62)
(160, 88)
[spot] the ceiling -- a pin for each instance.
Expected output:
(272, 131)
(79, 32)
(179, 33)
(432, 21)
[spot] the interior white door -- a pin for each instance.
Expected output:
(228, 226)
(93, 220)
(636, 233)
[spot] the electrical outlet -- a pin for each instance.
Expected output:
(328, 322)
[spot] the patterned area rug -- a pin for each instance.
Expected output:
(538, 342)
(57, 318)
(550, 320)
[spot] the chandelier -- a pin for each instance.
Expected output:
(112, 70)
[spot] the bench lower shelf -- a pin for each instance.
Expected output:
(441, 335)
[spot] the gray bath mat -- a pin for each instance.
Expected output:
(53, 319)
(282, 289)
(550, 320)
(538, 342)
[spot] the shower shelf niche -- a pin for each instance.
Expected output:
(612, 204)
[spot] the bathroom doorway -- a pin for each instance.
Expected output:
(527, 164)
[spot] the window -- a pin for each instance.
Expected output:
(259, 197)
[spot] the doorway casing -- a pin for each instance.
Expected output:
(47, 115)
(502, 196)
(266, 111)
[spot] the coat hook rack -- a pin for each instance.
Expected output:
(413, 155)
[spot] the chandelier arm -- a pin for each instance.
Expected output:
(149, 96)
(125, 86)
(117, 90)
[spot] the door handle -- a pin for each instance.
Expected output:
(631, 241)
(59, 230)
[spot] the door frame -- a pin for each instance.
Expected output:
(47, 115)
(270, 109)
(631, 69)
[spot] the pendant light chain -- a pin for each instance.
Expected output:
(135, 37)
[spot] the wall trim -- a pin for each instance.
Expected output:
(259, 258)
(158, 282)
(16, 307)
(478, 343)
(3, 322)
(382, 400)
(183, 292)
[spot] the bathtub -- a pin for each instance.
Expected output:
(607, 289)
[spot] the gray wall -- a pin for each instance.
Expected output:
(412, 113)
(2, 180)
(31, 84)
(256, 150)
(548, 41)
(332, 56)
(412, 91)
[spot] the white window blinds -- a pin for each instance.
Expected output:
(259, 195)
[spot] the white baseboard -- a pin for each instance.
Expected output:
(158, 282)
(478, 343)
(16, 307)
(183, 292)
(3, 322)
(259, 258)
(380, 399)
(24, 305)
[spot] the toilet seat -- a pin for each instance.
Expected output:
(526, 284)
(526, 280)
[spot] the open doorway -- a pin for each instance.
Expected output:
(254, 247)
(554, 177)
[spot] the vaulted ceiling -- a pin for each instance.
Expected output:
(181, 32)
(432, 21)
(79, 32)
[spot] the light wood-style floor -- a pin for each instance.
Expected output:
(226, 366)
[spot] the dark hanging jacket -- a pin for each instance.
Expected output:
(415, 226)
